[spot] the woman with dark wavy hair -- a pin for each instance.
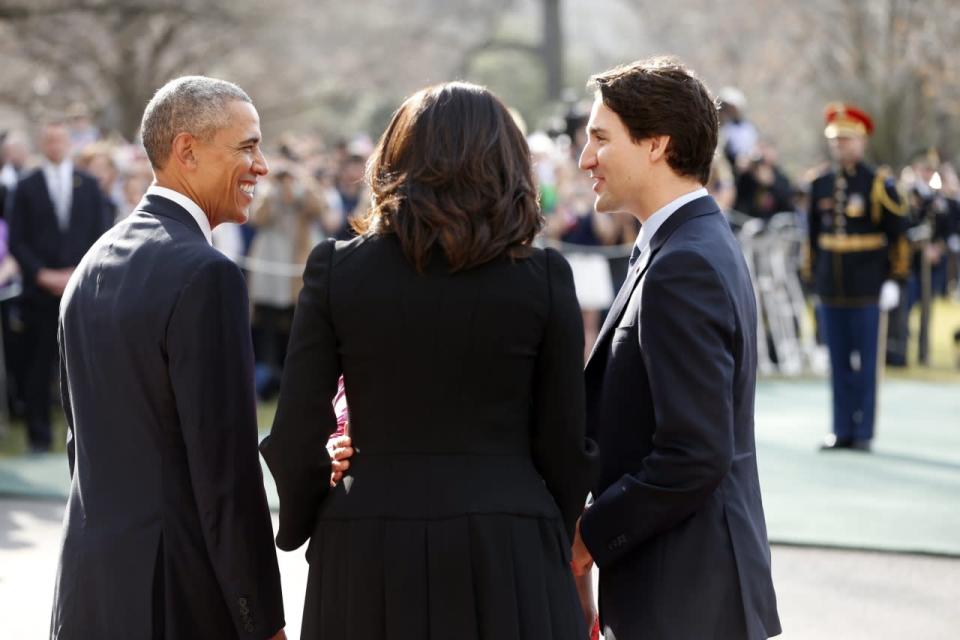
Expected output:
(460, 346)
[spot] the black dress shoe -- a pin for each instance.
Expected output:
(833, 443)
(860, 445)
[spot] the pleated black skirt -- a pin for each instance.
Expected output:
(470, 577)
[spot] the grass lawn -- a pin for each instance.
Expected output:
(944, 363)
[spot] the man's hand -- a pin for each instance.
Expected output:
(54, 280)
(587, 602)
(281, 635)
(582, 561)
(340, 449)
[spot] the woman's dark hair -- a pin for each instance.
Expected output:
(452, 171)
(660, 96)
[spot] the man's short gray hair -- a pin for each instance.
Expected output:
(191, 104)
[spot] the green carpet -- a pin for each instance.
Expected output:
(905, 496)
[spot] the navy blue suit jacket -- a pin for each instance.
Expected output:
(167, 533)
(36, 240)
(677, 526)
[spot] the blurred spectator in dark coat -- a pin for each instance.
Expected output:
(353, 200)
(762, 188)
(56, 215)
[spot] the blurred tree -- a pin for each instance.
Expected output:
(347, 65)
(301, 60)
(552, 50)
(342, 67)
(522, 88)
(896, 58)
(111, 55)
(547, 50)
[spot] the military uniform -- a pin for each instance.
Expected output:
(856, 242)
(932, 209)
(930, 215)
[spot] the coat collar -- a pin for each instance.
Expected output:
(160, 206)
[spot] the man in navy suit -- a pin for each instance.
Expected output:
(56, 215)
(167, 534)
(676, 526)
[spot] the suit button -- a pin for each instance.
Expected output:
(617, 542)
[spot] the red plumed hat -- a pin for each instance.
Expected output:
(845, 120)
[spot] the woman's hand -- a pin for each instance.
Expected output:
(340, 449)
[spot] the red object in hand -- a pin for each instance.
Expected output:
(341, 409)
(595, 631)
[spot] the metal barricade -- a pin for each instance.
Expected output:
(786, 341)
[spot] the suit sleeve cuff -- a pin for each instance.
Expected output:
(606, 543)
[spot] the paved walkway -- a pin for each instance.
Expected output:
(905, 496)
(823, 594)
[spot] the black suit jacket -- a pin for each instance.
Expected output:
(677, 526)
(167, 532)
(478, 374)
(36, 240)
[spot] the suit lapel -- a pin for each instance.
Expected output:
(47, 198)
(699, 207)
(45, 187)
(620, 302)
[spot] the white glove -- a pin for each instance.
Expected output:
(889, 295)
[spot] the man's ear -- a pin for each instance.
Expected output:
(658, 147)
(183, 151)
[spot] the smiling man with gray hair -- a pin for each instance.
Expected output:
(167, 532)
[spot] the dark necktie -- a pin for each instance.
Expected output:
(634, 255)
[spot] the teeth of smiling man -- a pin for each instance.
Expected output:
(247, 188)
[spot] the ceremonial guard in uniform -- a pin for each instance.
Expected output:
(858, 258)
(932, 221)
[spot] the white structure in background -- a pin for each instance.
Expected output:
(786, 337)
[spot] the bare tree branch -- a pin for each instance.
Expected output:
(126, 10)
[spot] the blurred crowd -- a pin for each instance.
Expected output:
(316, 187)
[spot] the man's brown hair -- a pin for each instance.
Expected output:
(452, 172)
(660, 96)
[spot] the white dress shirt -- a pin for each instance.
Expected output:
(192, 208)
(9, 176)
(59, 179)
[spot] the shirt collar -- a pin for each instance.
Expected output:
(192, 208)
(64, 167)
(649, 228)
